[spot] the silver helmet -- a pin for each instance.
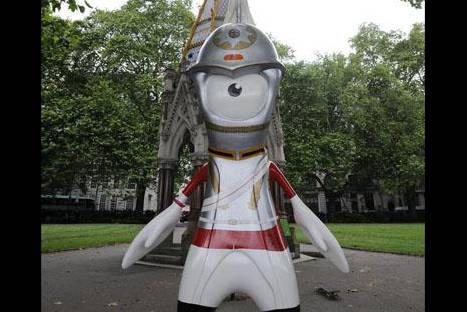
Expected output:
(234, 47)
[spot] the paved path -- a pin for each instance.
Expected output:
(92, 280)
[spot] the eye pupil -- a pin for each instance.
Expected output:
(234, 91)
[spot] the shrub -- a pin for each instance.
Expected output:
(377, 217)
(97, 216)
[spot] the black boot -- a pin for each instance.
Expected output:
(188, 307)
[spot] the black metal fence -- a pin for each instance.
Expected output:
(374, 217)
(130, 216)
(96, 216)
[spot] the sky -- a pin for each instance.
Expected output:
(310, 27)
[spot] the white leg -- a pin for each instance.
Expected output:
(210, 275)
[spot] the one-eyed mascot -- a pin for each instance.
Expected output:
(238, 245)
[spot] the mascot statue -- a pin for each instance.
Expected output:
(238, 245)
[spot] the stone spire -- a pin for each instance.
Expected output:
(238, 12)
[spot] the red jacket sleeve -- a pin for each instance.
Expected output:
(201, 175)
(275, 174)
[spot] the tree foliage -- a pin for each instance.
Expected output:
(415, 3)
(361, 114)
(102, 80)
(285, 52)
(73, 5)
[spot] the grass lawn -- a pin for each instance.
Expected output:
(56, 237)
(394, 238)
(408, 239)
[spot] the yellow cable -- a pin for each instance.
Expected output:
(214, 12)
(193, 30)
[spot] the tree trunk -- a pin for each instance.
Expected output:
(140, 191)
(96, 207)
(381, 199)
(331, 196)
(411, 201)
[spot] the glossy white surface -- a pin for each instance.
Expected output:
(152, 235)
(319, 234)
(212, 102)
(251, 99)
(268, 277)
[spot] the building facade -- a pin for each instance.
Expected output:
(362, 200)
(117, 196)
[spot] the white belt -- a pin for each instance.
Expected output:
(237, 221)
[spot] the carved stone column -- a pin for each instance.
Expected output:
(165, 197)
(165, 192)
(196, 202)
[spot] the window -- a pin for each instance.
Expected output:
(132, 184)
(354, 202)
(119, 184)
(102, 202)
(418, 201)
(351, 179)
(149, 201)
(113, 203)
(129, 203)
(369, 201)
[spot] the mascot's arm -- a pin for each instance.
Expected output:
(312, 226)
(163, 224)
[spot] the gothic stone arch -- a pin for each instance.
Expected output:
(180, 115)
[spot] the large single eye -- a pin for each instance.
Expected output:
(234, 90)
(236, 98)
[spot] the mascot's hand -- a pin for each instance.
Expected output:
(319, 234)
(152, 234)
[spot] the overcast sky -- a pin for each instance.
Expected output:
(310, 26)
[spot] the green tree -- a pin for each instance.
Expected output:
(321, 150)
(415, 3)
(56, 5)
(362, 115)
(109, 95)
(58, 40)
(387, 109)
(285, 52)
